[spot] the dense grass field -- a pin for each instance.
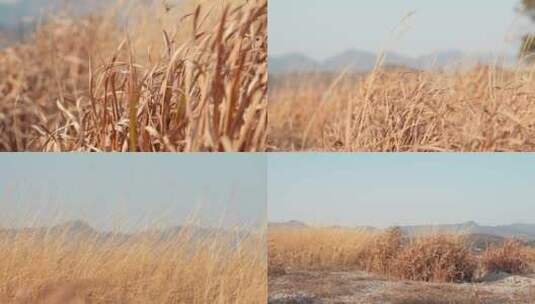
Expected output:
(75, 264)
(139, 77)
(433, 257)
(479, 109)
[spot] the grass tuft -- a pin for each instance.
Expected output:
(190, 78)
(509, 258)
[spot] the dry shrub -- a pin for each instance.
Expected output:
(484, 109)
(380, 256)
(530, 254)
(436, 258)
(315, 248)
(510, 258)
(188, 267)
(85, 85)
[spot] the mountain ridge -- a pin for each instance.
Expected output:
(516, 230)
(364, 61)
(80, 230)
(17, 13)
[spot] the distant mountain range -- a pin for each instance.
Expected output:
(520, 231)
(363, 61)
(14, 13)
(288, 225)
(74, 231)
(18, 18)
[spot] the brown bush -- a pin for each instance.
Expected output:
(530, 255)
(510, 258)
(380, 255)
(437, 258)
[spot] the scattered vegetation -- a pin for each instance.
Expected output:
(435, 257)
(57, 266)
(530, 254)
(380, 256)
(482, 109)
(510, 258)
(190, 77)
(315, 248)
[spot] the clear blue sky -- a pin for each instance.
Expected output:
(132, 190)
(322, 28)
(399, 189)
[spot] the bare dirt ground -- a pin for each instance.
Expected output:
(360, 287)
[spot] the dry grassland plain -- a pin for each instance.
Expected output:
(484, 108)
(73, 263)
(339, 265)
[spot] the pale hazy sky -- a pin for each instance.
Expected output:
(348, 189)
(132, 190)
(322, 28)
(400, 189)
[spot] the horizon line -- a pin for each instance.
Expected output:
(307, 223)
(399, 53)
(121, 230)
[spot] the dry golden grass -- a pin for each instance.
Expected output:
(186, 78)
(511, 257)
(530, 254)
(54, 268)
(381, 254)
(434, 257)
(483, 109)
(315, 248)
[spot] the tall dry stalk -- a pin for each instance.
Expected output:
(202, 87)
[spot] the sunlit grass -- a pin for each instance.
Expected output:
(133, 77)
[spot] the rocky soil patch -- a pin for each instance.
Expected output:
(322, 287)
